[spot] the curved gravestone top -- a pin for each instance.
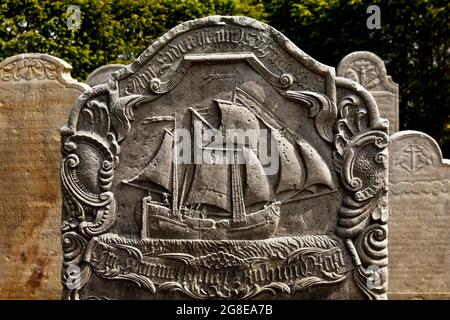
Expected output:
(36, 94)
(419, 201)
(224, 162)
(369, 70)
(101, 74)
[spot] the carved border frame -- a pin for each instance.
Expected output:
(347, 117)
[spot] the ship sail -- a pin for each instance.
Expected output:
(292, 175)
(211, 183)
(159, 169)
(318, 174)
(237, 119)
(257, 188)
(301, 166)
(301, 169)
(211, 186)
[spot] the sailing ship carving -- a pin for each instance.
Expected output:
(225, 200)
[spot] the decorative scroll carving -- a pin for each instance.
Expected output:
(99, 143)
(160, 87)
(75, 270)
(361, 160)
(321, 109)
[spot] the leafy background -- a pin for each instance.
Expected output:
(413, 41)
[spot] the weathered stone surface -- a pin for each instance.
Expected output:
(306, 220)
(36, 94)
(369, 70)
(101, 74)
(419, 202)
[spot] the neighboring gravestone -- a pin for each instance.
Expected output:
(225, 163)
(369, 70)
(419, 202)
(36, 94)
(101, 74)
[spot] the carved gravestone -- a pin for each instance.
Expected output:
(225, 163)
(369, 70)
(36, 94)
(101, 74)
(419, 202)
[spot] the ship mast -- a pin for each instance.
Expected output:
(237, 196)
(175, 169)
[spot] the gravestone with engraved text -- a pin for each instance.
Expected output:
(369, 70)
(36, 94)
(225, 163)
(419, 202)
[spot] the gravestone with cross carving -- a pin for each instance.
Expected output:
(225, 163)
(419, 202)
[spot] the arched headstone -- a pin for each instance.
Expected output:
(369, 70)
(419, 202)
(224, 162)
(36, 94)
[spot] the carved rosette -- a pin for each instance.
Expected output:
(101, 120)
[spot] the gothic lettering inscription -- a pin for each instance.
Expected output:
(35, 97)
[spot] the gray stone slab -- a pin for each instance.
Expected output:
(419, 202)
(224, 162)
(36, 94)
(101, 74)
(369, 70)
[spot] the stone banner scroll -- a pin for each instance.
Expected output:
(225, 163)
(369, 70)
(36, 94)
(419, 205)
(101, 74)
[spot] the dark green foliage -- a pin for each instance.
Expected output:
(413, 40)
(112, 31)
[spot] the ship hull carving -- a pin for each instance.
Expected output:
(161, 223)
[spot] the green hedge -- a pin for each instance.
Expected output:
(413, 39)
